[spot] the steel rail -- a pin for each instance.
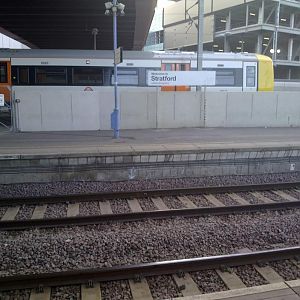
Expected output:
(146, 269)
(139, 216)
(147, 193)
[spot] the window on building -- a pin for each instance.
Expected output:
(3, 72)
(87, 76)
(51, 75)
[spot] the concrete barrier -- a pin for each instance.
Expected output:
(57, 109)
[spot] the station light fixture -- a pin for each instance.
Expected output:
(272, 51)
(223, 21)
(117, 8)
(283, 19)
(266, 38)
(216, 46)
(252, 14)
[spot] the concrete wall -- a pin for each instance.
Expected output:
(145, 165)
(55, 109)
(278, 109)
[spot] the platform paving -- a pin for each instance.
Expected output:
(277, 291)
(147, 154)
(147, 140)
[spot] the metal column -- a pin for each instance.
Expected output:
(200, 37)
(116, 112)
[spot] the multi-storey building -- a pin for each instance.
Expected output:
(270, 27)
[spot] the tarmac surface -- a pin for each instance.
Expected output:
(147, 140)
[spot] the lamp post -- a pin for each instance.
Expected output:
(115, 7)
(95, 32)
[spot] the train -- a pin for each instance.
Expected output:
(93, 69)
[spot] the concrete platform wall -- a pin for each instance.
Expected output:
(148, 165)
(56, 109)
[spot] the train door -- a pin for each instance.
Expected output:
(250, 77)
(183, 67)
(167, 66)
(5, 80)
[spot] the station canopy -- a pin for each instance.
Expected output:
(68, 24)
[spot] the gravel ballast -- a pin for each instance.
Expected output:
(208, 281)
(66, 292)
(25, 212)
(106, 245)
(63, 188)
(163, 287)
(115, 290)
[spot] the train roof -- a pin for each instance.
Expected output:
(108, 54)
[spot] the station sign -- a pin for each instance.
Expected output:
(189, 78)
(1, 99)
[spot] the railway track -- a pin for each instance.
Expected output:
(155, 204)
(179, 269)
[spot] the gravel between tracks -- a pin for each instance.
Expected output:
(89, 208)
(105, 245)
(273, 196)
(15, 295)
(292, 193)
(116, 290)
(56, 211)
(25, 212)
(249, 275)
(3, 210)
(250, 198)
(286, 269)
(208, 281)
(62, 188)
(173, 202)
(163, 287)
(147, 204)
(200, 201)
(66, 292)
(119, 206)
(226, 199)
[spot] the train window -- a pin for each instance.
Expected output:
(225, 77)
(3, 72)
(87, 76)
(182, 67)
(51, 75)
(23, 76)
(127, 77)
(250, 76)
(168, 67)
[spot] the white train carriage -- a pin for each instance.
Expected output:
(93, 70)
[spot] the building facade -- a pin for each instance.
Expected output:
(269, 27)
(9, 43)
(155, 39)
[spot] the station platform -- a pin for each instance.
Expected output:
(147, 154)
(289, 290)
(147, 140)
